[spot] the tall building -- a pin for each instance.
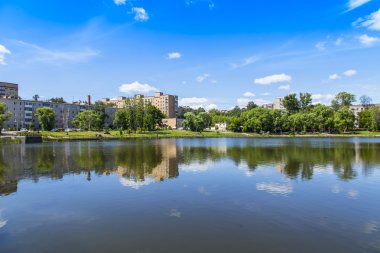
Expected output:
(167, 104)
(8, 90)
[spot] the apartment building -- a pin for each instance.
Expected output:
(23, 113)
(167, 104)
(8, 90)
(279, 104)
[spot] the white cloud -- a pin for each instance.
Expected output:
(367, 40)
(41, 54)
(322, 98)
(195, 103)
(174, 55)
(137, 87)
(273, 79)
(284, 87)
(175, 213)
(350, 72)
(214, 81)
(140, 14)
(245, 62)
(249, 94)
(275, 188)
(353, 4)
(334, 76)
(243, 102)
(3, 52)
(321, 45)
(119, 2)
(202, 78)
(265, 94)
(372, 22)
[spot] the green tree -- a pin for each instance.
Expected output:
(152, 117)
(365, 101)
(120, 120)
(88, 120)
(57, 100)
(251, 105)
(4, 114)
(291, 103)
(343, 99)
(344, 119)
(100, 108)
(36, 97)
(305, 101)
(46, 118)
(365, 119)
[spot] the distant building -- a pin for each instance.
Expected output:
(167, 104)
(220, 127)
(268, 106)
(279, 104)
(357, 109)
(8, 90)
(23, 113)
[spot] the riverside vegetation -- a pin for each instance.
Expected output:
(300, 116)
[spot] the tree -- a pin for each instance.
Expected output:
(196, 123)
(57, 100)
(205, 118)
(120, 120)
(46, 118)
(343, 99)
(365, 101)
(251, 105)
(4, 114)
(100, 108)
(344, 119)
(88, 120)
(152, 117)
(36, 97)
(291, 103)
(305, 101)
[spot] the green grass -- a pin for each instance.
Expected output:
(154, 134)
(177, 134)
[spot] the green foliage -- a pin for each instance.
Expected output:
(88, 120)
(343, 99)
(344, 119)
(197, 123)
(370, 119)
(4, 114)
(291, 103)
(182, 110)
(46, 118)
(120, 120)
(55, 100)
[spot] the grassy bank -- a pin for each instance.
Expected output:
(182, 134)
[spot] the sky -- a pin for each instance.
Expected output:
(211, 53)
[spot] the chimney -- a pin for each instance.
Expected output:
(89, 100)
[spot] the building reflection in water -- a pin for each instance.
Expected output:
(142, 162)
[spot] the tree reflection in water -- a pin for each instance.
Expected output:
(158, 160)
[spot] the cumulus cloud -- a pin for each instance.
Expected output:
(119, 2)
(284, 87)
(202, 78)
(141, 14)
(3, 52)
(249, 94)
(371, 22)
(368, 40)
(353, 4)
(334, 76)
(136, 87)
(174, 55)
(322, 98)
(350, 72)
(245, 62)
(175, 213)
(195, 103)
(273, 79)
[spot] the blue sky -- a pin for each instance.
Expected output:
(211, 53)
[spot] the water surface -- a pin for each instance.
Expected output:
(192, 195)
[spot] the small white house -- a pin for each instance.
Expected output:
(220, 127)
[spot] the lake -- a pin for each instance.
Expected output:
(192, 195)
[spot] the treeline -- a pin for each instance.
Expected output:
(300, 116)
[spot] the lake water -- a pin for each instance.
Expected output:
(191, 195)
